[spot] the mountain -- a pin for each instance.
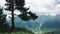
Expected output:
(53, 23)
(48, 22)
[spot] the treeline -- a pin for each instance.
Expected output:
(3, 23)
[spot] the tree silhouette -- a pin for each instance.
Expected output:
(25, 15)
(19, 5)
(10, 7)
(3, 24)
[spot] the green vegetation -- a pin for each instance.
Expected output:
(3, 24)
(28, 32)
(16, 31)
(19, 32)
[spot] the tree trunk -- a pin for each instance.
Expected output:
(12, 30)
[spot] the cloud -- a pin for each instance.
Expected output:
(57, 9)
(41, 6)
(2, 2)
(44, 6)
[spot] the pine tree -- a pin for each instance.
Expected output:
(10, 7)
(19, 5)
(3, 24)
(24, 16)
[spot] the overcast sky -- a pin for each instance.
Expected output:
(51, 7)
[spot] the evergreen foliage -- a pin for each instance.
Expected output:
(25, 15)
(19, 5)
(3, 24)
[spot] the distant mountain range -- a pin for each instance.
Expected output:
(48, 22)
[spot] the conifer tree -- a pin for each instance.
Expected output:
(10, 7)
(3, 24)
(24, 14)
(19, 5)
